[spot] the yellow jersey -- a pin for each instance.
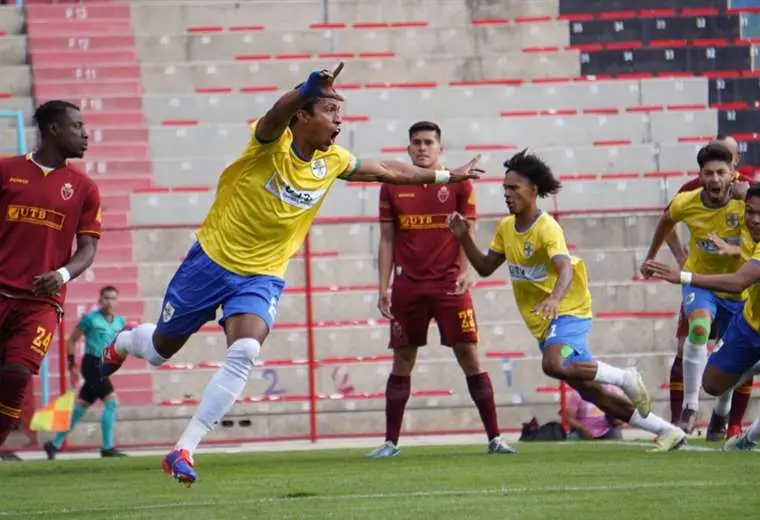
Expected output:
(726, 221)
(266, 202)
(529, 256)
(752, 302)
(747, 247)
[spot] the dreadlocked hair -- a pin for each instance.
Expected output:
(536, 171)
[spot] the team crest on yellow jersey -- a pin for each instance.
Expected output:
(732, 220)
(528, 250)
(319, 168)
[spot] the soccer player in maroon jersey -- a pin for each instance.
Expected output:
(716, 430)
(430, 282)
(44, 205)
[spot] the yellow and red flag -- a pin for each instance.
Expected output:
(56, 416)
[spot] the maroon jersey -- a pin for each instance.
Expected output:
(42, 213)
(424, 250)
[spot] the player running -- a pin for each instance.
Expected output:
(431, 281)
(44, 204)
(706, 211)
(735, 358)
(98, 328)
(552, 295)
(265, 204)
(716, 430)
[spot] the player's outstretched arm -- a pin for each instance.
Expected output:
(664, 227)
(724, 248)
(675, 247)
(737, 282)
(319, 84)
(484, 264)
(397, 172)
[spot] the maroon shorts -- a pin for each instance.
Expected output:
(682, 330)
(26, 331)
(413, 308)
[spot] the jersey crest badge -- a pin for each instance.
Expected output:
(168, 312)
(528, 250)
(319, 168)
(443, 194)
(732, 220)
(67, 191)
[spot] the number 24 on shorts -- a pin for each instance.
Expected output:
(467, 320)
(41, 341)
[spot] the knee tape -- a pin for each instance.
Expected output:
(699, 338)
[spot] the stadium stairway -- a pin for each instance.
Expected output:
(65, 48)
(170, 87)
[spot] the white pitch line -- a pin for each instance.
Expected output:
(505, 491)
(686, 447)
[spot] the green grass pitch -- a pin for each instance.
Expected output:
(543, 481)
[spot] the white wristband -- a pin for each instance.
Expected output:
(64, 274)
(442, 176)
(686, 277)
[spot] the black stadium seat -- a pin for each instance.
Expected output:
(647, 30)
(735, 90)
(695, 60)
(598, 6)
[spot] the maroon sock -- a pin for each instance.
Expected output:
(676, 390)
(739, 403)
(481, 391)
(397, 392)
(12, 388)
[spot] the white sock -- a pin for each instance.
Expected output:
(749, 374)
(221, 392)
(138, 342)
(652, 423)
(723, 403)
(694, 362)
(607, 374)
(753, 432)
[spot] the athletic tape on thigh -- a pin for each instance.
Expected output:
(699, 338)
(565, 353)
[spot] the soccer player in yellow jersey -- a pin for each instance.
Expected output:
(265, 203)
(709, 210)
(737, 354)
(552, 295)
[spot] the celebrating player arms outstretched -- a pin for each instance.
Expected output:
(265, 204)
(710, 213)
(733, 402)
(552, 295)
(737, 355)
(44, 204)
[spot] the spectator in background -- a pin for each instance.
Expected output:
(587, 422)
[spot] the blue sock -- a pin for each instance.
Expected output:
(76, 415)
(108, 421)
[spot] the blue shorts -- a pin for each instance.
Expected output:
(200, 286)
(739, 349)
(721, 310)
(572, 333)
